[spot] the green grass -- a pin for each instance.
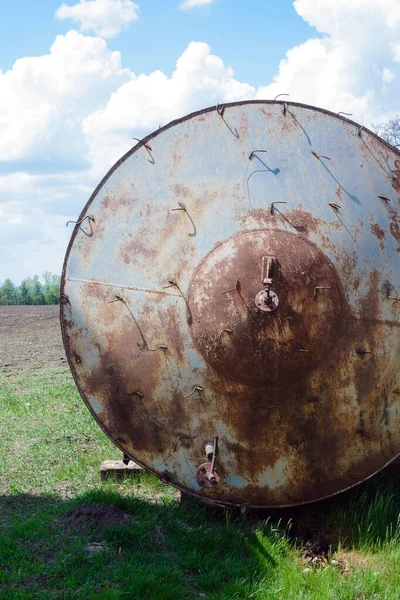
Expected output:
(347, 548)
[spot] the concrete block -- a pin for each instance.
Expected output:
(119, 470)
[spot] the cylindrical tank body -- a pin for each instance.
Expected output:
(231, 303)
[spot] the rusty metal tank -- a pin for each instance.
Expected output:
(231, 303)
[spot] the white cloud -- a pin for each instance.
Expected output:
(350, 69)
(105, 18)
(144, 102)
(44, 99)
(387, 75)
(67, 116)
(195, 3)
(396, 52)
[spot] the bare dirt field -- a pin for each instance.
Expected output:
(30, 337)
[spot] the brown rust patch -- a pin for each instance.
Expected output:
(396, 178)
(181, 191)
(265, 348)
(105, 202)
(243, 125)
(265, 110)
(301, 220)
(379, 233)
(395, 227)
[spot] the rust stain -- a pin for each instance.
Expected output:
(396, 179)
(379, 233)
(266, 111)
(395, 228)
(243, 125)
(181, 191)
(297, 336)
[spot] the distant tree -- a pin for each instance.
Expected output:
(8, 293)
(389, 131)
(24, 292)
(37, 293)
(51, 288)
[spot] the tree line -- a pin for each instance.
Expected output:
(32, 290)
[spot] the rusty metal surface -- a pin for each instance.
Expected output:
(211, 289)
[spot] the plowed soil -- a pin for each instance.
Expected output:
(30, 337)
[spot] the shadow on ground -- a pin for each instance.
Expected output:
(104, 545)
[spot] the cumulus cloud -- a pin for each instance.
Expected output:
(195, 3)
(141, 104)
(67, 116)
(105, 18)
(43, 101)
(353, 67)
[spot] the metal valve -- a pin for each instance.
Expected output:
(266, 300)
(207, 473)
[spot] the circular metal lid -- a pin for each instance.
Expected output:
(233, 283)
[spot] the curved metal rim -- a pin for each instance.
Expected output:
(72, 239)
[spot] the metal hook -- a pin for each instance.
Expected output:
(171, 283)
(220, 110)
(382, 197)
(136, 393)
(196, 387)
(279, 95)
(285, 109)
(143, 143)
(335, 206)
(160, 347)
(344, 113)
(148, 148)
(253, 153)
(90, 217)
(236, 288)
(181, 207)
(214, 458)
(222, 332)
(117, 299)
(319, 156)
(321, 287)
(273, 204)
(181, 437)
(360, 130)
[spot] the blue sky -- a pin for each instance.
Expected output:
(78, 80)
(251, 37)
